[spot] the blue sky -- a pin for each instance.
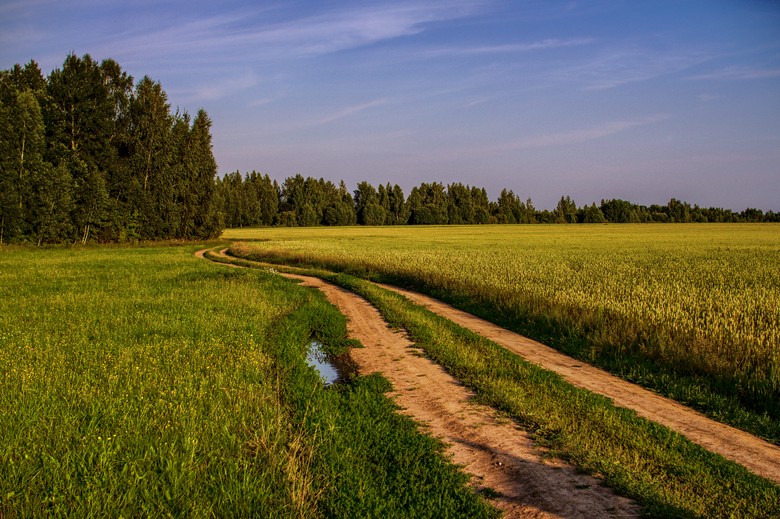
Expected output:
(641, 100)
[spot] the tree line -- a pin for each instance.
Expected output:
(253, 199)
(87, 154)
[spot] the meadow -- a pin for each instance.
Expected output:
(142, 381)
(691, 311)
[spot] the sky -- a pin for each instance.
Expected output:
(644, 100)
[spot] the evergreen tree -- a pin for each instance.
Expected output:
(226, 192)
(347, 205)
(79, 115)
(203, 218)
(383, 198)
(150, 158)
(293, 199)
(90, 197)
(122, 165)
(267, 193)
(530, 212)
(566, 211)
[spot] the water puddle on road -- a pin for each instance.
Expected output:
(331, 369)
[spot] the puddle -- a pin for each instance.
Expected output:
(331, 369)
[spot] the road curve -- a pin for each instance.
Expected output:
(758, 456)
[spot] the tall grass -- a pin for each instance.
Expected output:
(133, 382)
(654, 304)
(146, 382)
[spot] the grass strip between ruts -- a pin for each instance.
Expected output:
(669, 475)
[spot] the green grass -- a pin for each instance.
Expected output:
(690, 311)
(141, 381)
(663, 471)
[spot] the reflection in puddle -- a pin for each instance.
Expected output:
(331, 369)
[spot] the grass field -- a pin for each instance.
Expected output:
(692, 311)
(145, 382)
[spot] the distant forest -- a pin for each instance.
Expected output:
(87, 154)
(256, 200)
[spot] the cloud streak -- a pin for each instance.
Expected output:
(550, 43)
(738, 74)
(249, 34)
(346, 112)
(582, 135)
(221, 88)
(611, 69)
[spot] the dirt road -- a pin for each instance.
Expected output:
(492, 449)
(498, 454)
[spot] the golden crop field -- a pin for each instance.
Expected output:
(705, 298)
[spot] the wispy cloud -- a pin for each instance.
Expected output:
(551, 43)
(739, 74)
(250, 34)
(362, 26)
(615, 68)
(222, 88)
(476, 102)
(346, 112)
(582, 135)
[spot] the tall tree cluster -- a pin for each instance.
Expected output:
(87, 154)
(256, 200)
